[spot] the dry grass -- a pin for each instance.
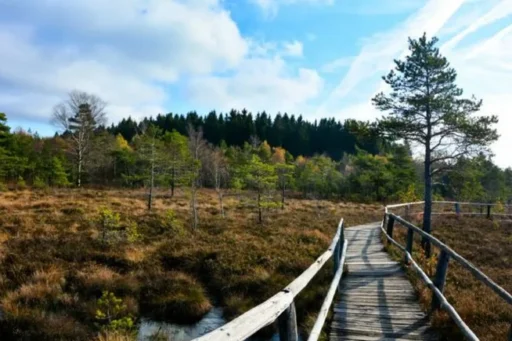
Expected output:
(53, 267)
(485, 243)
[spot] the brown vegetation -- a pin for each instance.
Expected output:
(485, 243)
(54, 265)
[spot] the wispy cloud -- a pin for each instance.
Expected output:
(501, 10)
(270, 7)
(377, 52)
(293, 49)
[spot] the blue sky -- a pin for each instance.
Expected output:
(312, 57)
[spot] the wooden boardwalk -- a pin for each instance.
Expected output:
(376, 300)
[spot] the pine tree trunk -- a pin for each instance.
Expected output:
(427, 212)
(193, 203)
(282, 197)
(260, 217)
(151, 182)
(173, 176)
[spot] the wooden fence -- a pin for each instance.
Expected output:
(437, 284)
(488, 210)
(281, 306)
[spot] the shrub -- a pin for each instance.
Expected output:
(132, 232)
(172, 224)
(38, 183)
(3, 187)
(112, 314)
(109, 221)
(21, 184)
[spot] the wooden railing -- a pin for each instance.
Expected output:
(455, 207)
(437, 284)
(281, 306)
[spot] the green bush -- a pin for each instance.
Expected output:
(112, 313)
(132, 232)
(21, 184)
(171, 223)
(38, 183)
(109, 222)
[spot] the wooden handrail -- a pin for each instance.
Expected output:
(461, 260)
(468, 333)
(437, 285)
(281, 306)
(324, 311)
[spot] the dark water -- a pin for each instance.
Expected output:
(180, 332)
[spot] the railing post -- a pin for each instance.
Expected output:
(488, 211)
(336, 257)
(408, 212)
(410, 240)
(510, 333)
(457, 208)
(440, 277)
(287, 323)
(391, 222)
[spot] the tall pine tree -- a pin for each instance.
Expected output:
(426, 107)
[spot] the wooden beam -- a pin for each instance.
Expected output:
(324, 311)
(287, 323)
(445, 305)
(459, 259)
(440, 277)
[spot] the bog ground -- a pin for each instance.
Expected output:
(56, 261)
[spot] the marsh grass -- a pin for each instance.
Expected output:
(54, 267)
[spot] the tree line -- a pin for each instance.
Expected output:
(351, 160)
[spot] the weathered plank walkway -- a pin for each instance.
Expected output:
(377, 301)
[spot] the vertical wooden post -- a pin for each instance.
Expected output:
(481, 210)
(410, 240)
(391, 222)
(287, 323)
(488, 211)
(510, 333)
(407, 212)
(440, 277)
(336, 257)
(457, 208)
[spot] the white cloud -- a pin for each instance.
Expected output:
(259, 84)
(337, 64)
(293, 49)
(501, 10)
(380, 7)
(124, 51)
(376, 54)
(271, 7)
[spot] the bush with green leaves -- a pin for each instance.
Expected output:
(38, 183)
(172, 223)
(132, 232)
(112, 314)
(109, 222)
(21, 184)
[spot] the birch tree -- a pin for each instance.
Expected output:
(149, 152)
(218, 169)
(79, 115)
(196, 144)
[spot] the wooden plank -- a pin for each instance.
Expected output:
(376, 299)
